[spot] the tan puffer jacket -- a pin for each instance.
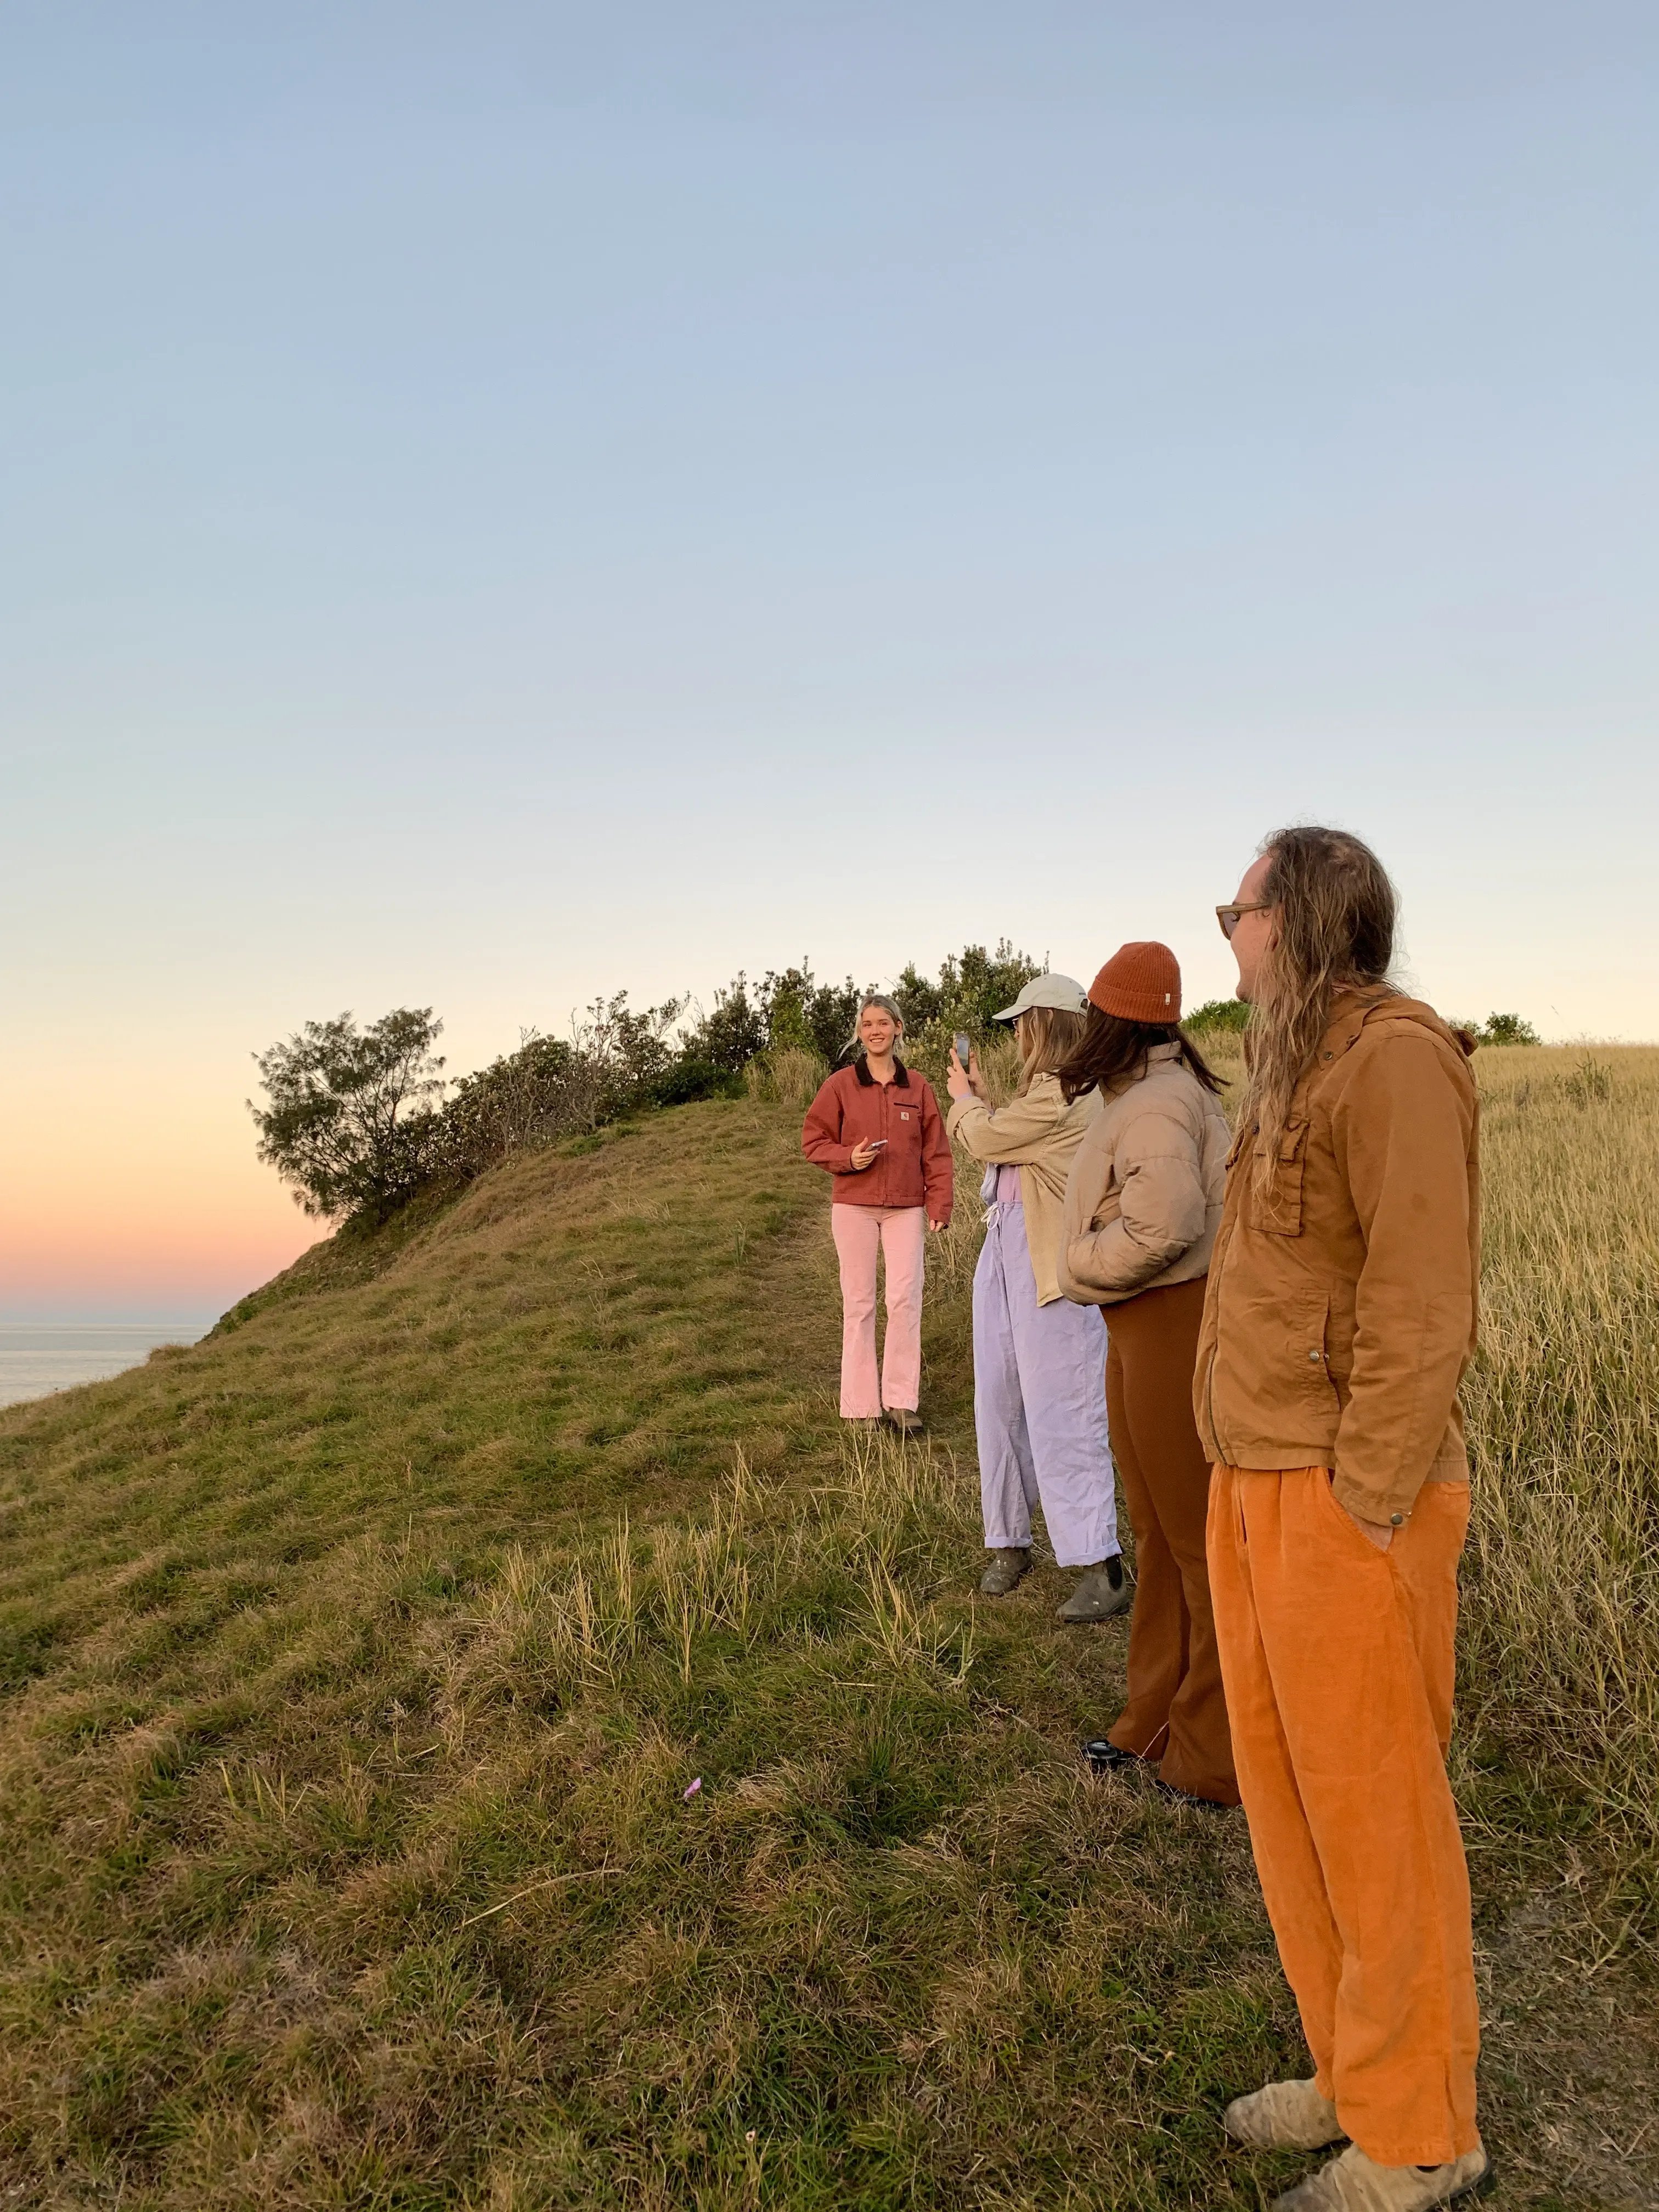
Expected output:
(1039, 1133)
(1144, 1199)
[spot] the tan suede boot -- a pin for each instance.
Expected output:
(1354, 2183)
(1284, 2115)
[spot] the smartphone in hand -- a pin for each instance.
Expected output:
(964, 1047)
(874, 1143)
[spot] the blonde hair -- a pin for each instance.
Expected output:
(1334, 916)
(1047, 1038)
(855, 1042)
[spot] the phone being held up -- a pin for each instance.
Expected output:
(964, 1049)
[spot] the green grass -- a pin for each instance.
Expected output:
(357, 1661)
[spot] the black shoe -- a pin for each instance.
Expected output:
(1105, 1757)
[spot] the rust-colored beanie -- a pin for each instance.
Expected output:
(1139, 983)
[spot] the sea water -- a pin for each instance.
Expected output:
(37, 1357)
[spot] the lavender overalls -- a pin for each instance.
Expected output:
(1039, 1398)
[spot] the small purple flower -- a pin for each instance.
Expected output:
(688, 1793)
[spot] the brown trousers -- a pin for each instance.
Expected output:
(1339, 1664)
(1176, 1713)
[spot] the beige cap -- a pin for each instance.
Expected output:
(1057, 990)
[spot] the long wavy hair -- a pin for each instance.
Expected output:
(1112, 1053)
(1047, 1038)
(1334, 919)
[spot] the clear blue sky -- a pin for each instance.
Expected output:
(506, 501)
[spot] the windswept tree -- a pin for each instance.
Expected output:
(973, 986)
(350, 1119)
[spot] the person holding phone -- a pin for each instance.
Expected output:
(1039, 1413)
(876, 1129)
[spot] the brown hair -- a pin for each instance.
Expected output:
(1113, 1053)
(1047, 1036)
(1334, 911)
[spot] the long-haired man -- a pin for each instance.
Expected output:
(1340, 1317)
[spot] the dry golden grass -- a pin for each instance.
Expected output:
(1560, 1645)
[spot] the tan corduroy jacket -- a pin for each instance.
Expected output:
(1144, 1200)
(1340, 1314)
(1040, 1133)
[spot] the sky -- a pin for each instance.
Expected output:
(510, 501)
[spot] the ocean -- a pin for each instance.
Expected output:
(37, 1357)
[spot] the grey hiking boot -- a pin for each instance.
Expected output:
(1007, 1569)
(906, 1421)
(1105, 1589)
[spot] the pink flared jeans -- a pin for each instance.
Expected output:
(900, 1234)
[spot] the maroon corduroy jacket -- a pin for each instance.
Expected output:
(914, 1168)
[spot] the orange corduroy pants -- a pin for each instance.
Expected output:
(1339, 1667)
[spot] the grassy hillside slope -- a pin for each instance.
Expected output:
(357, 1663)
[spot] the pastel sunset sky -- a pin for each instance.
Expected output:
(511, 501)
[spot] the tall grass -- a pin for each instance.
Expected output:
(1560, 1641)
(789, 1076)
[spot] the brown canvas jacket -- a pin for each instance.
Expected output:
(1340, 1314)
(1143, 1201)
(913, 1169)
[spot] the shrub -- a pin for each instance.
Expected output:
(1500, 1028)
(1228, 1014)
(616, 1059)
(973, 987)
(351, 1123)
(789, 1009)
(525, 1098)
(688, 1078)
(1508, 1028)
(731, 1036)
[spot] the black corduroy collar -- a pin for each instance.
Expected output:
(867, 1082)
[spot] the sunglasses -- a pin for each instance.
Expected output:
(1228, 916)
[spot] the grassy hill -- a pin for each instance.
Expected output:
(358, 1662)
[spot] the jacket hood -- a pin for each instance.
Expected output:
(1351, 1014)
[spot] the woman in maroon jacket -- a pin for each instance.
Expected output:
(876, 1126)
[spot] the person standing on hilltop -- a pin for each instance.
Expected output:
(876, 1129)
(1143, 1203)
(1340, 1320)
(1038, 1413)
